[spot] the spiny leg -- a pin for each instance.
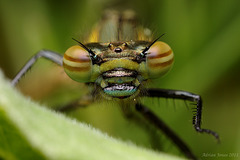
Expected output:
(167, 93)
(151, 117)
(55, 57)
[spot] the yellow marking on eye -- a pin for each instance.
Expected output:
(165, 54)
(74, 59)
(71, 68)
(163, 64)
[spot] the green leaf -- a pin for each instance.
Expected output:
(31, 131)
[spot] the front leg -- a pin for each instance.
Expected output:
(167, 93)
(52, 56)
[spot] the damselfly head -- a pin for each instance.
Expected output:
(123, 60)
(120, 73)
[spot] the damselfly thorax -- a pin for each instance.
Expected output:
(119, 58)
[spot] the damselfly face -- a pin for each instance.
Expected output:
(119, 68)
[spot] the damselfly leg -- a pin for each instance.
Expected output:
(50, 55)
(177, 94)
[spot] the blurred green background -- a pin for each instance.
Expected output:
(204, 35)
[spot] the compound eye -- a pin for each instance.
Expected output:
(77, 64)
(159, 59)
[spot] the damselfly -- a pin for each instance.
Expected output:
(118, 60)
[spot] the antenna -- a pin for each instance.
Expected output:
(147, 48)
(92, 54)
